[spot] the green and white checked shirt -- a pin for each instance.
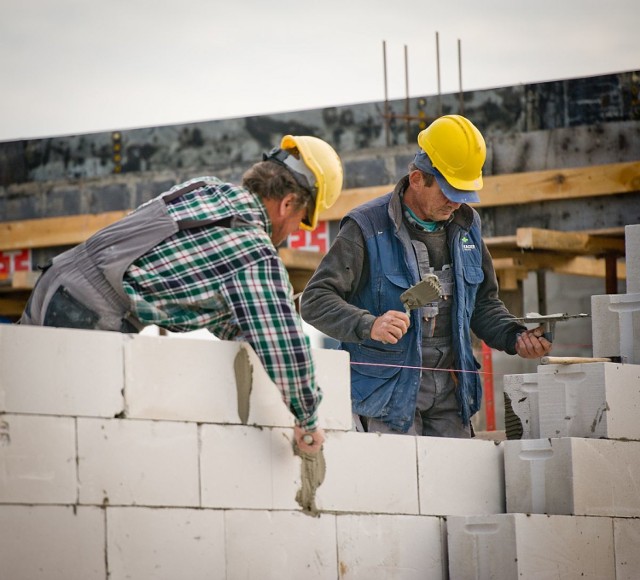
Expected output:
(232, 282)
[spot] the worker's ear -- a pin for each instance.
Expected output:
(416, 179)
(287, 204)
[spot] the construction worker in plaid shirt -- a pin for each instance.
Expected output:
(203, 255)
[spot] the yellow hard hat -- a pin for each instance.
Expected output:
(326, 168)
(456, 149)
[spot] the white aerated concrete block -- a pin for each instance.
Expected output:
(165, 544)
(333, 373)
(508, 546)
(626, 536)
(589, 400)
(280, 545)
(334, 378)
(572, 476)
(181, 380)
(52, 542)
(615, 326)
(256, 468)
(60, 371)
(123, 462)
(369, 472)
(388, 546)
(237, 467)
(522, 390)
(632, 257)
(37, 459)
(195, 380)
(445, 484)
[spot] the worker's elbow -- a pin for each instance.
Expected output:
(306, 308)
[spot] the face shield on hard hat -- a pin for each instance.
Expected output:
(301, 173)
(454, 151)
(315, 166)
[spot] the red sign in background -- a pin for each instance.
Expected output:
(14, 261)
(317, 240)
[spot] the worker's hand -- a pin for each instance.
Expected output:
(390, 327)
(300, 435)
(530, 344)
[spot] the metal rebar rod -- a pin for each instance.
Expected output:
(438, 71)
(406, 87)
(461, 95)
(386, 95)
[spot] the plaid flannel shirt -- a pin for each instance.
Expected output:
(232, 282)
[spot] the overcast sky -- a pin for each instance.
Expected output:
(81, 66)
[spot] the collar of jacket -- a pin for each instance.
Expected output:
(462, 217)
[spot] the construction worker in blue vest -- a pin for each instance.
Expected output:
(414, 372)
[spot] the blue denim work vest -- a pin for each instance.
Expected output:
(385, 378)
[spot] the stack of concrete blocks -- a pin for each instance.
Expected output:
(125, 457)
(573, 480)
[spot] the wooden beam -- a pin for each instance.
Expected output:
(511, 242)
(568, 242)
(558, 263)
(13, 306)
(509, 189)
(300, 259)
(508, 279)
(19, 281)
(350, 198)
(51, 232)
(534, 186)
(522, 188)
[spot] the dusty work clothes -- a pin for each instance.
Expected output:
(199, 259)
(371, 262)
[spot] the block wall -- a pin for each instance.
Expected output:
(126, 457)
(140, 457)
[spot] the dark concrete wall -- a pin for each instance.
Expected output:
(528, 151)
(572, 123)
(231, 145)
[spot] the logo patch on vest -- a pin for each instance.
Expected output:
(467, 245)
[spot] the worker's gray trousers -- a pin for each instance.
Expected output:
(82, 287)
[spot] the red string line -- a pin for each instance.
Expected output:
(420, 368)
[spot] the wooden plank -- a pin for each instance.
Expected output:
(558, 263)
(19, 281)
(505, 242)
(569, 242)
(517, 188)
(506, 264)
(350, 198)
(535, 186)
(12, 307)
(51, 232)
(300, 259)
(508, 279)
(522, 188)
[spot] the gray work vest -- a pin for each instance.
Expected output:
(82, 288)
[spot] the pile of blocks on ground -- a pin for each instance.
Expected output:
(573, 479)
(153, 458)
